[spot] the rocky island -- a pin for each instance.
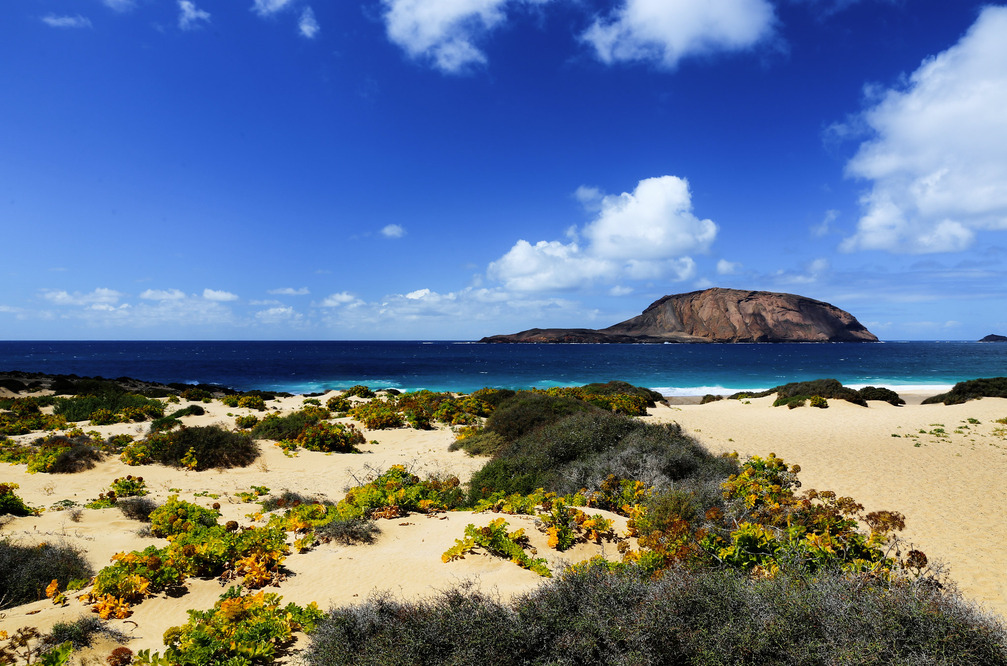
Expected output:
(993, 337)
(717, 315)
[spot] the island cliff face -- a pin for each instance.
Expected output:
(718, 315)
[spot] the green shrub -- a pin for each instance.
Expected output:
(359, 391)
(377, 415)
(246, 422)
(709, 397)
(11, 504)
(63, 455)
(106, 406)
(339, 404)
(26, 571)
(239, 629)
(80, 633)
(396, 492)
(278, 427)
(819, 401)
(331, 437)
(881, 393)
(177, 516)
(826, 388)
(526, 411)
(974, 389)
(198, 448)
(252, 402)
(479, 444)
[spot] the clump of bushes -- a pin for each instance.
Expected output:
(973, 389)
(788, 394)
(274, 426)
(108, 405)
(882, 394)
(688, 616)
(198, 448)
(26, 571)
(330, 437)
(172, 420)
(56, 455)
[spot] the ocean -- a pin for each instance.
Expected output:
(672, 369)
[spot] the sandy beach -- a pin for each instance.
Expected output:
(948, 484)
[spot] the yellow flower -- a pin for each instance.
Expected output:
(53, 588)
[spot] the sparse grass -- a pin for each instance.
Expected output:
(137, 508)
(348, 531)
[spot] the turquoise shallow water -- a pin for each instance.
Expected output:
(302, 367)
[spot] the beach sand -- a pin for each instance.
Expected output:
(950, 488)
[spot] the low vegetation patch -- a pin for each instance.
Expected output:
(974, 389)
(197, 448)
(27, 570)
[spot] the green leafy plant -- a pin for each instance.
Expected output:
(496, 540)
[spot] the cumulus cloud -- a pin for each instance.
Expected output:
(393, 231)
(307, 24)
(655, 221)
(445, 32)
(289, 291)
(77, 21)
(189, 16)
(100, 296)
(219, 296)
(548, 265)
(642, 235)
(936, 160)
(267, 7)
(163, 295)
(664, 32)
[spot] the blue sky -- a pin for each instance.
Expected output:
(449, 169)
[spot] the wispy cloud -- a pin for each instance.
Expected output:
(162, 295)
(341, 298)
(267, 7)
(189, 16)
(664, 32)
(220, 296)
(100, 296)
(76, 21)
(307, 24)
(289, 291)
(119, 5)
(936, 161)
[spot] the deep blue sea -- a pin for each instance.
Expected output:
(673, 369)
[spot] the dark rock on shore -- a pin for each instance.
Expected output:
(717, 315)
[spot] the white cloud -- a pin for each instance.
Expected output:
(267, 7)
(620, 291)
(189, 16)
(443, 32)
(936, 160)
(644, 235)
(278, 315)
(162, 295)
(548, 265)
(307, 24)
(665, 31)
(289, 291)
(823, 227)
(393, 231)
(119, 5)
(655, 221)
(77, 21)
(219, 296)
(100, 296)
(725, 267)
(335, 300)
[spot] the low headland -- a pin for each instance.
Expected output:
(176, 524)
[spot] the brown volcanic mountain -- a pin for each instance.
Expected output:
(718, 315)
